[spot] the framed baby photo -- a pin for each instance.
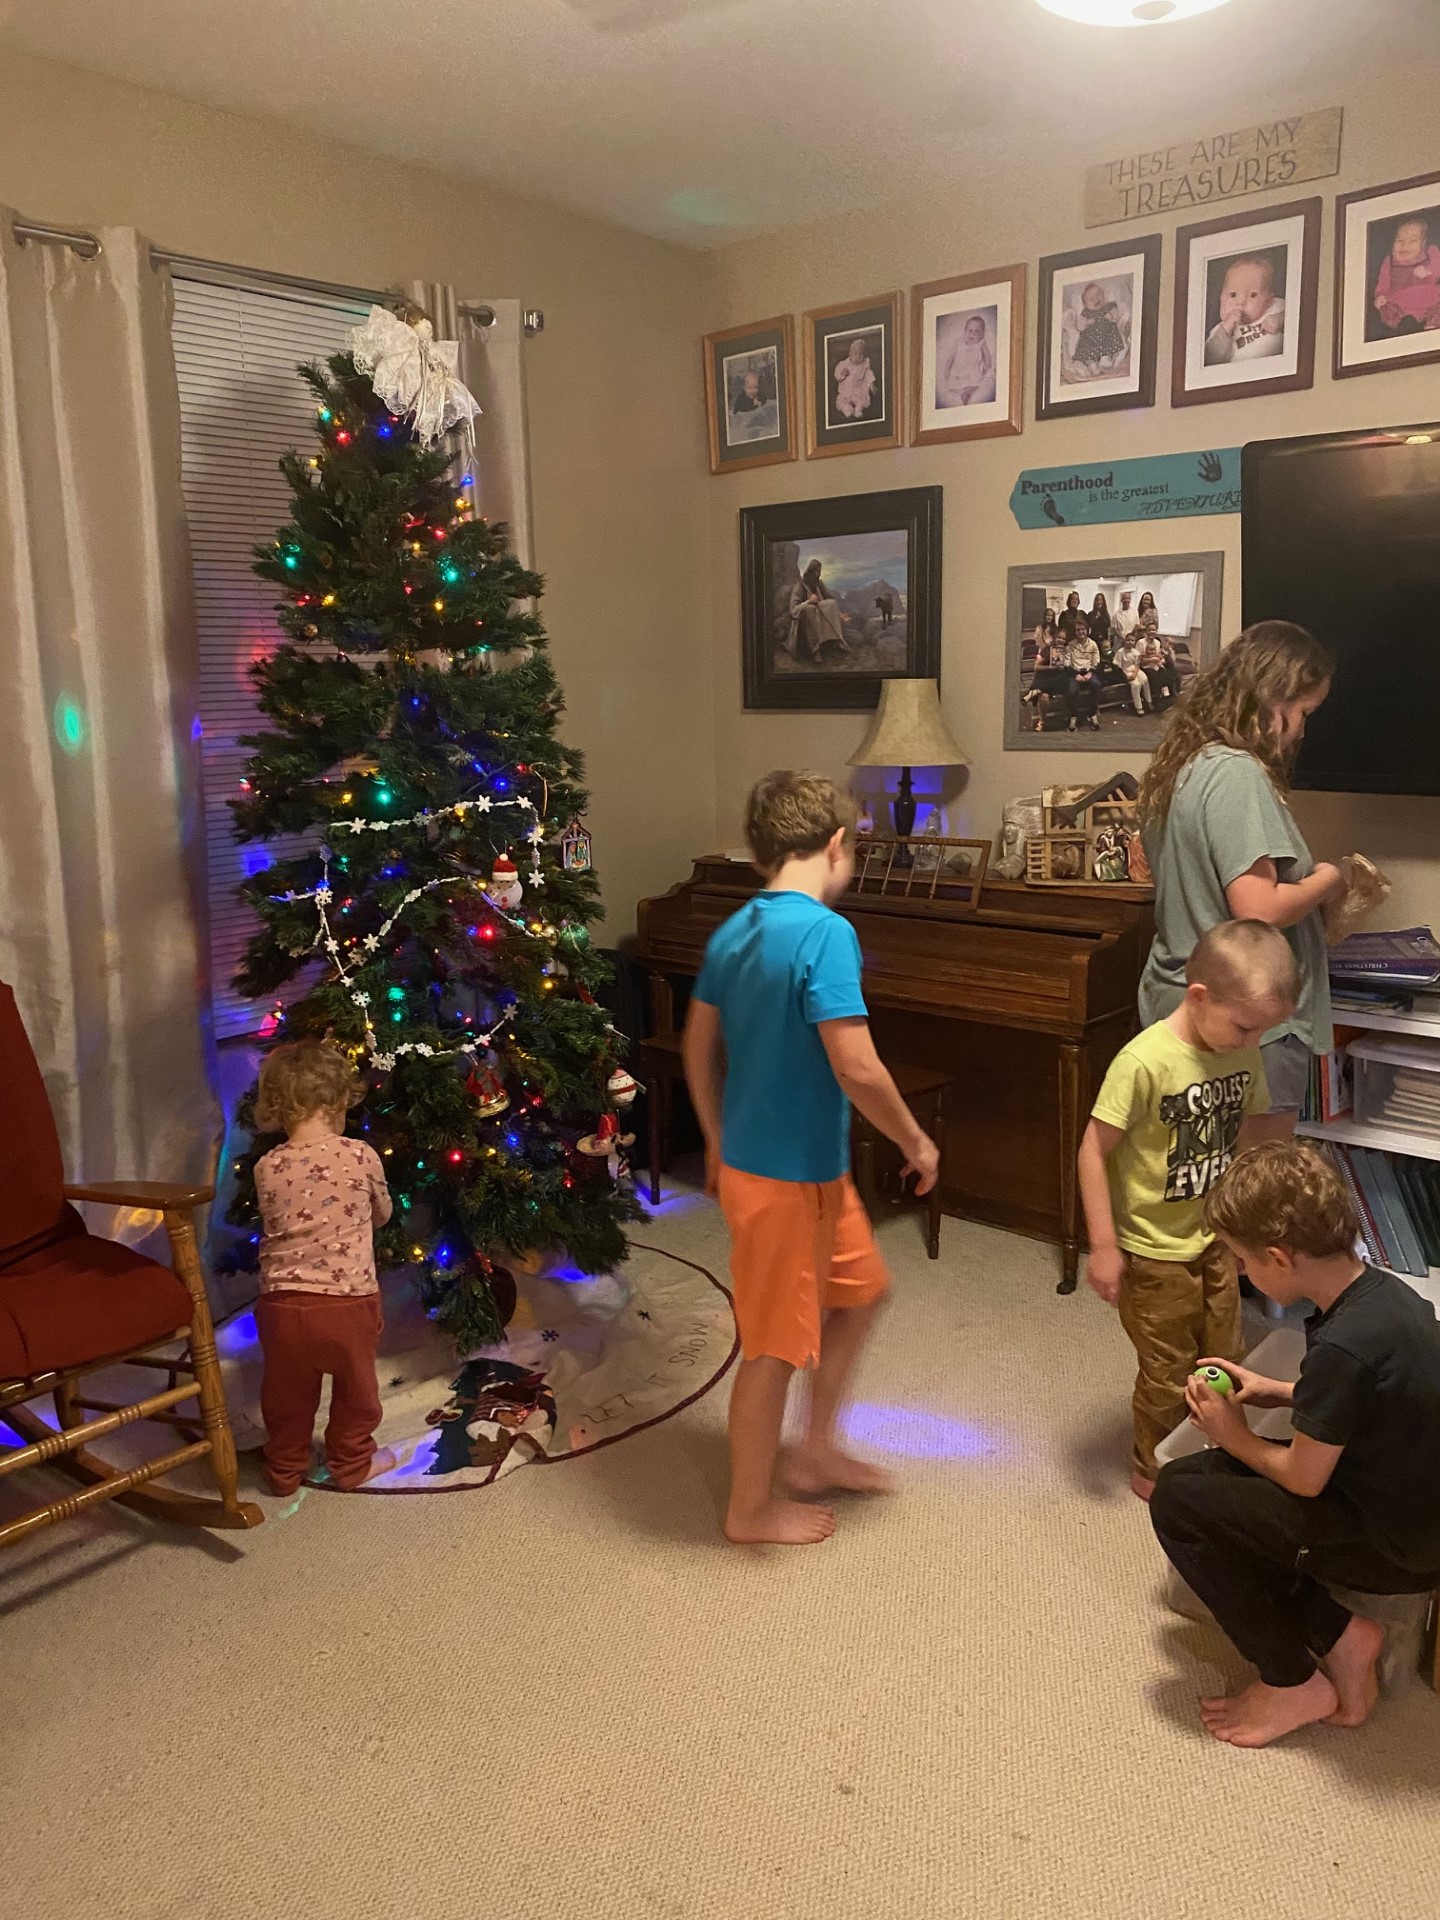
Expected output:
(1245, 292)
(1099, 318)
(750, 395)
(967, 356)
(1387, 276)
(853, 384)
(838, 596)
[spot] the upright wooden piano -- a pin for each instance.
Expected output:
(1026, 997)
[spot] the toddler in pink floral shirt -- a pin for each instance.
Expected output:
(321, 1197)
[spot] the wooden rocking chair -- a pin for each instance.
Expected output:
(72, 1304)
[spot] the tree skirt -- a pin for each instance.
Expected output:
(585, 1361)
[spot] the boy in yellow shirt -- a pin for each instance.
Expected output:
(1178, 1103)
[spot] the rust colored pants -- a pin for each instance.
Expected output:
(304, 1336)
(1175, 1312)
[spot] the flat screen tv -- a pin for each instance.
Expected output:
(1341, 533)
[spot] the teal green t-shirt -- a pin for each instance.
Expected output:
(774, 971)
(1224, 816)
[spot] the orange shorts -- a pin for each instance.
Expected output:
(783, 1234)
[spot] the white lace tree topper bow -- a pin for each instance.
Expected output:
(414, 374)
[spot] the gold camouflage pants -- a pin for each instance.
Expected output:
(1175, 1312)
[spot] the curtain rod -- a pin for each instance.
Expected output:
(190, 268)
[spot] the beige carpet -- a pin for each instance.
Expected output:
(564, 1700)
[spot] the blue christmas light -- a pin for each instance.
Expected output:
(512, 1140)
(502, 785)
(467, 479)
(443, 1256)
(383, 430)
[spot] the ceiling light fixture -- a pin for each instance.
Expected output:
(1128, 13)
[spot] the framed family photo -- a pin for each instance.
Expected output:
(1245, 293)
(1387, 276)
(1098, 322)
(750, 395)
(1098, 652)
(967, 356)
(853, 382)
(838, 596)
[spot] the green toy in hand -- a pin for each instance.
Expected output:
(1215, 1377)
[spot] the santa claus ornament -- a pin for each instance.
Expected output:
(487, 1090)
(606, 1143)
(504, 889)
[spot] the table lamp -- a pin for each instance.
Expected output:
(908, 731)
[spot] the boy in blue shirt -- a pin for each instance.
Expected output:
(777, 1045)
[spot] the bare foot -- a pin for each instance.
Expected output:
(812, 1470)
(783, 1523)
(383, 1460)
(1261, 1714)
(1350, 1666)
(1140, 1486)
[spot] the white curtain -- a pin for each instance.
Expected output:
(101, 853)
(492, 365)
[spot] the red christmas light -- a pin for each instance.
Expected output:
(455, 1156)
(343, 437)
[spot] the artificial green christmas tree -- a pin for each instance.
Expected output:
(442, 881)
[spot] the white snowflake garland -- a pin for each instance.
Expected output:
(323, 894)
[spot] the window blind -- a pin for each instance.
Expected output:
(242, 405)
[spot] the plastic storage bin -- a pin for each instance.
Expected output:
(1397, 1082)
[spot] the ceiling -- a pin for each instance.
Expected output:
(704, 121)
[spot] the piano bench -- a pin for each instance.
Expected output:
(923, 1090)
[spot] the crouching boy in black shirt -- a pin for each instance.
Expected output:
(1259, 1529)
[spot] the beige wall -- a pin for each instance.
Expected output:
(639, 545)
(1020, 214)
(616, 431)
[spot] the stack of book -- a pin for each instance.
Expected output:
(1399, 1202)
(1331, 1091)
(1385, 972)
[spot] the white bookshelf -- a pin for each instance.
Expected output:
(1364, 1133)
(1427, 1024)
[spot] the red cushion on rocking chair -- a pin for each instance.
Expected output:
(65, 1296)
(84, 1299)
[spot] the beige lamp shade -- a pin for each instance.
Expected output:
(909, 730)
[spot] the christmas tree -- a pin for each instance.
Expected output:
(436, 914)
